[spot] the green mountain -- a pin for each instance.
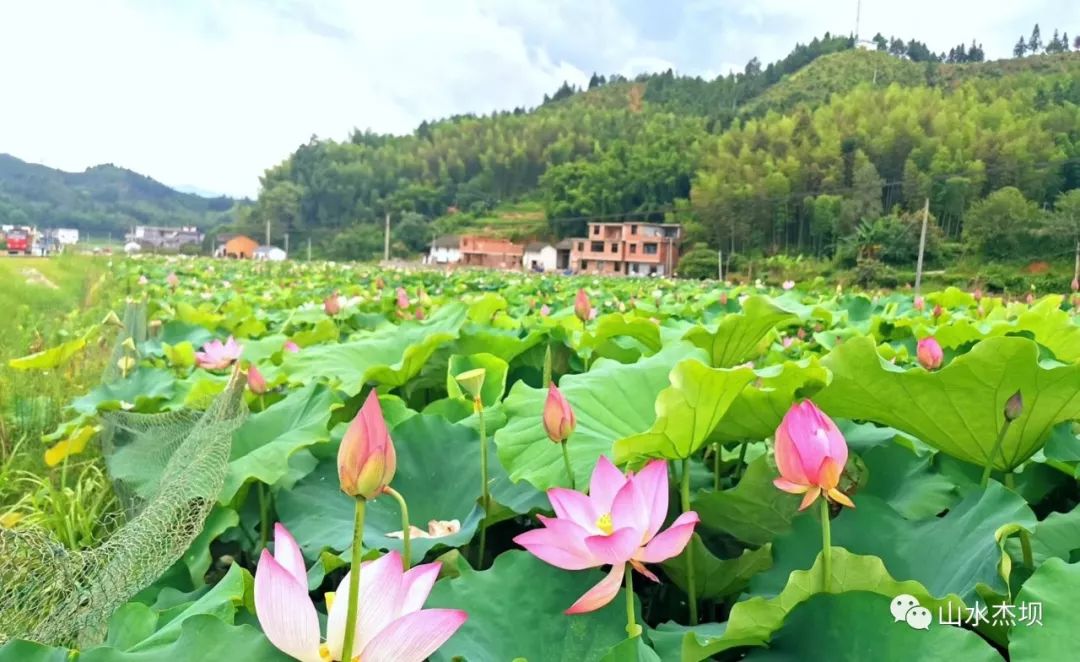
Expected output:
(102, 199)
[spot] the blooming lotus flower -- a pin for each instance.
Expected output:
(437, 528)
(978, 294)
(929, 353)
(366, 458)
(402, 298)
(419, 314)
(143, 280)
(290, 346)
(788, 284)
(787, 342)
(810, 454)
(256, 382)
(582, 307)
(545, 310)
(217, 356)
(920, 303)
(559, 421)
(172, 280)
(390, 627)
(332, 304)
(617, 523)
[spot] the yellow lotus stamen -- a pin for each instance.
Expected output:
(605, 524)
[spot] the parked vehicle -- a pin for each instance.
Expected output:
(19, 240)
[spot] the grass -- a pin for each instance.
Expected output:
(45, 302)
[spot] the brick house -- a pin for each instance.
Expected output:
(479, 251)
(633, 249)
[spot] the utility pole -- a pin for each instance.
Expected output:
(386, 240)
(309, 249)
(858, 12)
(286, 243)
(268, 232)
(720, 260)
(922, 245)
(1076, 264)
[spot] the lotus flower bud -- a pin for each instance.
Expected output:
(929, 353)
(172, 280)
(559, 421)
(291, 347)
(1014, 406)
(332, 304)
(810, 454)
(366, 457)
(1030, 298)
(545, 310)
(788, 284)
(582, 307)
(402, 298)
(143, 280)
(937, 310)
(723, 298)
(978, 294)
(920, 303)
(256, 382)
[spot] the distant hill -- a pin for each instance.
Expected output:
(103, 198)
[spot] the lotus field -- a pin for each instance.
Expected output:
(336, 462)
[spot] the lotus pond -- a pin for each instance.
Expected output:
(552, 469)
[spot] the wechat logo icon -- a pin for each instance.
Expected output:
(906, 608)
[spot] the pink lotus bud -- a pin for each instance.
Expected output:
(1014, 407)
(937, 310)
(1030, 298)
(545, 310)
(810, 454)
(143, 280)
(290, 346)
(402, 298)
(801, 333)
(788, 284)
(977, 294)
(419, 314)
(256, 382)
(559, 418)
(929, 353)
(582, 307)
(787, 342)
(332, 304)
(172, 280)
(366, 457)
(723, 298)
(920, 303)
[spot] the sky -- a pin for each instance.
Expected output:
(207, 94)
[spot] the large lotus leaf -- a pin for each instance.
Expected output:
(752, 622)
(958, 409)
(494, 368)
(175, 332)
(388, 356)
(760, 407)
(718, 578)
(859, 626)
(203, 316)
(610, 402)
(51, 358)
(906, 482)
(686, 412)
(143, 388)
(438, 472)
(197, 558)
(1054, 586)
(740, 336)
(606, 328)
(202, 637)
(927, 551)
(753, 511)
(262, 446)
(516, 612)
(507, 344)
(631, 650)
(1057, 536)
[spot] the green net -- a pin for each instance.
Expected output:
(57, 596)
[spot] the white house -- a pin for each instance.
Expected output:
(67, 236)
(445, 250)
(539, 256)
(269, 253)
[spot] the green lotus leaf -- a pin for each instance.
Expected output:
(753, 511)
(1054, 586)
(740, 336)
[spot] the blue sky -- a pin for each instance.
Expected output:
(208, 94)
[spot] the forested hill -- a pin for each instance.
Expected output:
(100, 200)
(799, 155)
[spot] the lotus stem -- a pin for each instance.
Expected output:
(716, 466)
(826, 546)
(264, 516)
(691, 576)
(742, 458)
(566, 462)
(632, 628)
(406, 535)
(354, 580)
(485, 498)
(1025, 548)
(997, 447)
(547, 365)
(262, 403)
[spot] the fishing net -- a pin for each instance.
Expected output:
(168, 470)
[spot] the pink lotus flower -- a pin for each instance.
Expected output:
(559, 421)
(929, 353)
(218, 356)
(332, 304)
(545, 310)
(936, 312)
(256, 382)
(723, 298)
(617, 523)
(143, 280)
(788, 284)
(787, 342)
(390, 627)
(920, 303)
(402, 298)
(172, 280)
(978, 294)
(290, 346)
(582, 307)
(419, 314)
(810, 454)
(366, 458)
(1030, 298)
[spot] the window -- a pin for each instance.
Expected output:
(650, 249)
(581, 245)
(652, 271)
(614, 247)
(584, 265)
(633, 229)
(596, 246)
(633, 248)
(596, 229)
(616, 267)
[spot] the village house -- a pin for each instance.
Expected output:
(155, 237)
(489, 252)
(539, 256)
(445, 250)
(627, 249)
(236, 246)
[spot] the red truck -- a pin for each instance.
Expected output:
(19, 240)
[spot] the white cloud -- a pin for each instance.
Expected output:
(209, 94)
